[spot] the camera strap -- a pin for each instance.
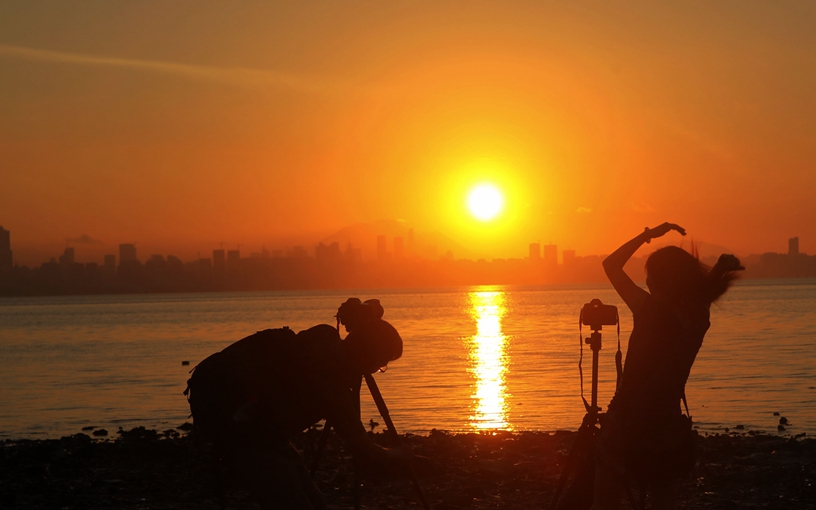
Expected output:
(581, 357)
(618, 356)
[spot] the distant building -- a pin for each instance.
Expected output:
(5, 249)
(127, 253)
(569, 258)
(535, 251)
(399, 248)
(68, 256)
(297, 252)
(352, 254)
(110, 263)
(328, 253)
(174, 263)
(233, 260)
(550, 257)
(219, 260)
(382, 251)
(793, 246)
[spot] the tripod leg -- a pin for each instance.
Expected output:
(321, 445)
(383, 409)
(580, 449)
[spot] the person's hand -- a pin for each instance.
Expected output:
(661, 230)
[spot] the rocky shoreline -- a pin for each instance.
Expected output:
(146, 469)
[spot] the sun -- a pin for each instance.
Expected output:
(485, 202)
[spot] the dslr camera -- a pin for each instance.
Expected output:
(353, 312)
(596, 314)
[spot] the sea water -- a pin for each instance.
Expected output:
(475, 358)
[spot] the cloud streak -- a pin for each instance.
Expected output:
(230, 75)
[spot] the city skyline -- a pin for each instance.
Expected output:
(92, 250)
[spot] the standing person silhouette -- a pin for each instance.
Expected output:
(644, 433)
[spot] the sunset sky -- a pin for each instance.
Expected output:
(179, 125)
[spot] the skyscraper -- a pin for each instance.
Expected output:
(219, 260)
(68, 256)
(5, 249)
(233, 260)
(793, 246)
(127, 253)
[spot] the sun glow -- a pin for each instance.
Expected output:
(485, 202)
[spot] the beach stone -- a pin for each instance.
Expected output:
(100, 433)
(783, 421)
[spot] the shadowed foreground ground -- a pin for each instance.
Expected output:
(143, 469)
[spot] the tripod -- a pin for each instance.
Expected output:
(386, 416)
(580, 465)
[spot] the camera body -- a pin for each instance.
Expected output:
(353, 312)
(596, 314)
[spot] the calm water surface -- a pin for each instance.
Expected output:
(475, 358)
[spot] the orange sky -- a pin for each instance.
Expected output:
(178, 125)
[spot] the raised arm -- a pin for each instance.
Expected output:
(629, 291)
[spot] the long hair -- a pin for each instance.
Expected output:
(683, 279)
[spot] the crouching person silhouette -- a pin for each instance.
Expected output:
(250, 399)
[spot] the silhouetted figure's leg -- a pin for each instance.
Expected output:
(607, 488)
(277, 479)
(664, 495)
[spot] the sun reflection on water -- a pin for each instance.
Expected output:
(488, 362)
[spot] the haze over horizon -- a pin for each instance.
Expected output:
(180, 126)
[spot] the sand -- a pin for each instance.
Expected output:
(146, 469)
